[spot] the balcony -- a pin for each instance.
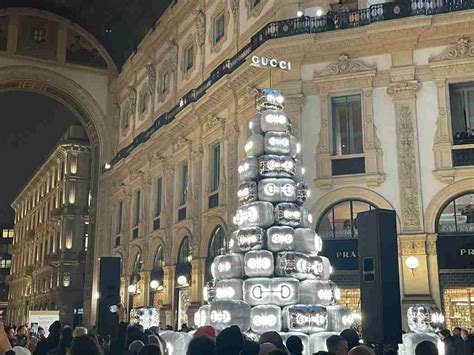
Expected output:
(69, 210)
(292, 27)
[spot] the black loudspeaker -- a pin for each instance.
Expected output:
(109, 295)
(379, 279)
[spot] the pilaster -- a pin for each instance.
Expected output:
(403, 89)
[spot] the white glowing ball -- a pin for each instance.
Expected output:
(412, 262)
(182, 280)
(132, 288)
(154, 284)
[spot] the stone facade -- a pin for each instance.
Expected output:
(52, 233)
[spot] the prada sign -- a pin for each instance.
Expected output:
(342, 253)
(272, 63)
(455, 252)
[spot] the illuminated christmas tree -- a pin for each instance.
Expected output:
(273, 278)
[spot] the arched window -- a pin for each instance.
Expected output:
(183, 253)
(457, 217)
(159, 260)
(217, 244)
(340, 220)
(137, 266)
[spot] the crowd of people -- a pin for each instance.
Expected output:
(134, 340)
(459, 342)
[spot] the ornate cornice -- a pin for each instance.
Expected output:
(404, 89)
(462, 49)
(344, 65)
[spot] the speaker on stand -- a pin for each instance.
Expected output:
(109, 296)
(379, 277)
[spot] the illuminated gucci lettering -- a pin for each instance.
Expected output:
(221, 316)
(259, 61)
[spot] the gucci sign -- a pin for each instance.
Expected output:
(272, 63)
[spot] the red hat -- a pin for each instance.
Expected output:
(207, 330)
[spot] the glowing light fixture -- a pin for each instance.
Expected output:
(154, 284)
(182, 280)
(107, 166)
(299, 13)
(132, 289)
(412, 263)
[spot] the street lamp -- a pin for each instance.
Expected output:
(154, 284)
(412, 263)
(182, 280)
(132, 289)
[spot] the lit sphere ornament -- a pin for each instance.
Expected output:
(182, 280)
(280, 291)
(425, 318)
(280, 238)
(154, 284)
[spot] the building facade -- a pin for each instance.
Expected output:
(379, 96)
(6, 240)
(51, 234)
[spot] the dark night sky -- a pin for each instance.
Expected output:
(31, 125)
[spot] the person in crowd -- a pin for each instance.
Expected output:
(294, 345)
(11, 335)
(78, 331)
(168, 327)
(134, 333)
(202, 345)
(278, 352)
(267, 348)
(41, 334)
(230, 341)
(184, 328)
(21, 335)
(351, 337)
(118, 346)
(135, 347)
(206, 330)
(150, 350)
(426, 348)
(337, 345)
(465, 344)
(52, 341)
(450, 345)
(66, 340)
(274, 338)
(361, 350)
(250, 348)
(85, 345)
(456, 332)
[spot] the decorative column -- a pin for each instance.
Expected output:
(404, 99)
(198, 280)
(145, 281)
(168, 291)
(197, 167)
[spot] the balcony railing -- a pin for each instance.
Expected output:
(293, 27)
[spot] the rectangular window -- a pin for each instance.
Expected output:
(219, 28)
(118, 218)
(189, 58)
(215, 155)
(346, 125)
(136, 208)
(164, 83)
(183, 184)
(462, 112)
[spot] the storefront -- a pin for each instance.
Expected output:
(338, 230)
(455, 249)
(182, 299)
